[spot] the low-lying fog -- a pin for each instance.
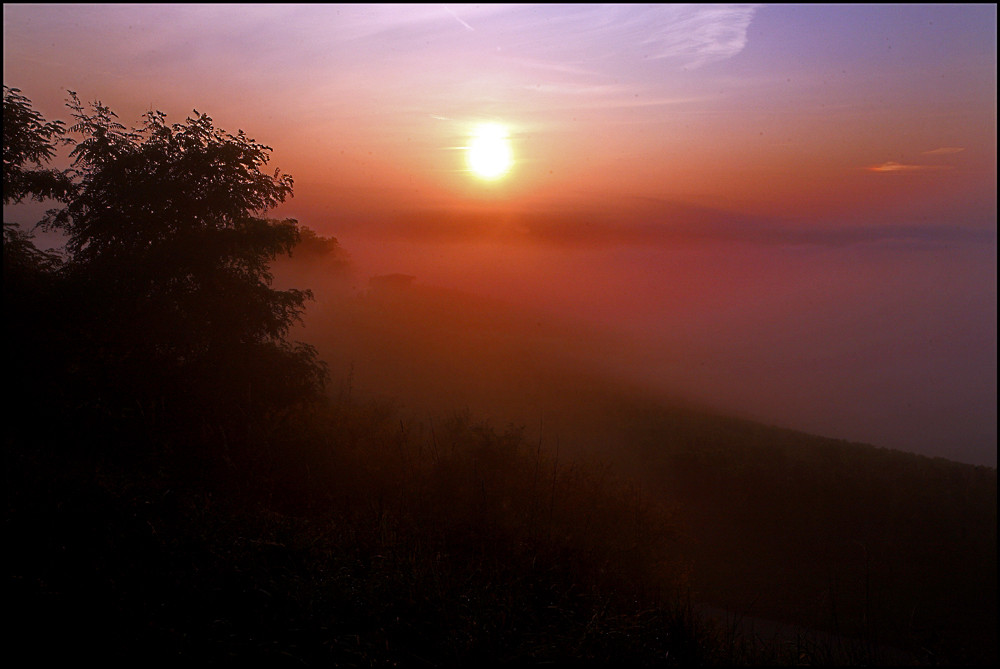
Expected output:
(886, 337)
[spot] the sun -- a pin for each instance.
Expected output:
(489, 154)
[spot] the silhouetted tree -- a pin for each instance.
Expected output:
(30, 276)
(29, 141)
(167, 288)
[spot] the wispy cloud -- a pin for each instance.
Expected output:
(944, 150)
(894, 167)
(688, 35)
(569, 88)
(550, 66)
(905, 168)
(697, 34)
(466, 25)
(627, 102)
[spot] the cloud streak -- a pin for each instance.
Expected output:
(689, 36)
(698, 34)
(902, 168)
(944, 151)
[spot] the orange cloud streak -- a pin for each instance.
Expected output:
(902, 168)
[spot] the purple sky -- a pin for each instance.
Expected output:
(787, 209)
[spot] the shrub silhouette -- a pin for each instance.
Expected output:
(166, 290)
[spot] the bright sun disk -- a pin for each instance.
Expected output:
(489, 152)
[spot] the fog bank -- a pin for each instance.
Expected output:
(888, 339)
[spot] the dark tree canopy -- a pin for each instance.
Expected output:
(29, 142)
(167, 282)
(173, 216)
(30, 275)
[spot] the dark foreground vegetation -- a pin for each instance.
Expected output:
(183, 483)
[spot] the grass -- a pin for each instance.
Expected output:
(355, 536)
(385, 543)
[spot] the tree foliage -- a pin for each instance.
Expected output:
(29, 142)
(167, 282)
(172, 216)
(30, 276)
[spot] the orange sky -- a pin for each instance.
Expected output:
(773, 110)
(819, 154)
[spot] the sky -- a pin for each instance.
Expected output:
(789, 210)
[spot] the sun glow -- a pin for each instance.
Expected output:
(489, 152)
